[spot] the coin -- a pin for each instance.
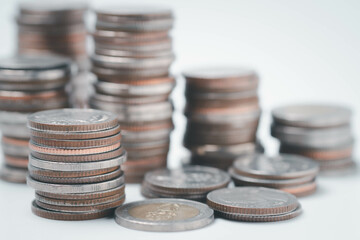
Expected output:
(67, 216)
(280, 167)
(252, 200)
(165, 215)
(13, 174)
(72, 120)
(312, 116)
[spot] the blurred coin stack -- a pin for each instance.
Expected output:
(223, 114)
(47, 28)
(290, 173)
(320, 132)
(133, 54)
(74, 163)
(193, 182)
(27, 85)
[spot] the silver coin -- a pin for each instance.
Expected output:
(124, 100)
(12, 174)
(312, 115)
(119, 89)
(316, 138)
(161, 46)
(164, 215)
(85, 166)
(14, 130)
(126, 73)
(15, 150)
(136, 26)
(242, 180)
(135, 54)
(222, 151)
(145, 136)
(242, 118)
(13, 117)
(252, 200)
(193, 178)
(284, 166)
(150, 192)
(136, 11)
(92, 120)
(221, 96)
(219, 73)
(131, 63)
(26, 68)
(74, 188)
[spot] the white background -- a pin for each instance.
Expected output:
(304, 51)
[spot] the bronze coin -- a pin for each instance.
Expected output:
(67, 216)
(15, 141)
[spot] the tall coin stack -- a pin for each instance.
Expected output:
(46, 28)
(320, 132)
(74, 163)
(27, 84)
(133, 54)
(223, 114)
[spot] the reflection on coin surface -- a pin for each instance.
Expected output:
(164, 215)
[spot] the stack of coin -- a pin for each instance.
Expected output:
(27, 84)
(74, 163)
(133, 54)
(47, 28)
(193, 182)
(290, 173)
(223, 114)
(320, 132)
(254, 204)
(164, 215)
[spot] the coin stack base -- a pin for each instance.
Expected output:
(133, 54)
(27, 84)
(289, 173)
(320, 132)
(74, 164)
(192, 182)
(254, 204)
(223, 114)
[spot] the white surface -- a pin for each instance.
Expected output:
(304, 51)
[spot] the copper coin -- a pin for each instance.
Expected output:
(76, 144)
(15, 141)
(301, 190)
(80, 158)
(20, 162)
(84, 196)
(66, 174)
(59, 151)
(67, 216)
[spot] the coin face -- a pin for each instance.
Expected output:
(193, 177)
(72, 120)
(164, 215)
(284, 166)
(251, 200)
(312, 115)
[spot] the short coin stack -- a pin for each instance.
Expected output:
(133, 54)
(192, 182)
(320, 132)
(223, 114)
(290, 173)
(74, 164)
(27, 84)
(254, 204)
(48, 28)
